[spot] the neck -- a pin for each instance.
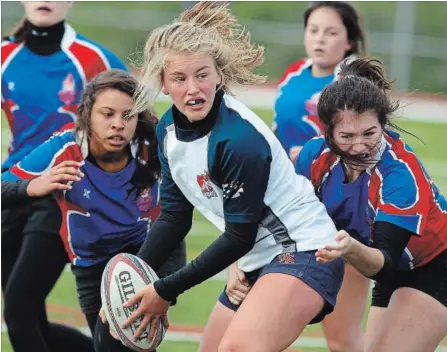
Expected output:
(352, 174)
(318, 71)
(109, 162)
(45, 40)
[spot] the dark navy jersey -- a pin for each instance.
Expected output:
(399, 191)
(237, 172)
(295, 119)
(40, 94)
(100, 217)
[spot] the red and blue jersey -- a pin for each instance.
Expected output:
(295, 119)
(100, 217)
(40, 94)
(399, 191)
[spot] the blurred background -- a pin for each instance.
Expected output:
(409, 37)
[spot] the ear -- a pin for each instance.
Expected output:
(164, 91)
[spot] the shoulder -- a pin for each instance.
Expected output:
(400, 172)
(240, 131)
(92, 51)
(294, 69)
(9, 48)
(315, 147)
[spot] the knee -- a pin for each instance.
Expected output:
(227, 345)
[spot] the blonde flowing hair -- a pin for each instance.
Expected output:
(209, 28)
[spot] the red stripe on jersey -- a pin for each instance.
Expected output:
(67, 209)
(68, 127)
(422, 204)
(71, 152)
(292, 70)
(321, 167)
(7, 50)
(373, 189)
(90, 60)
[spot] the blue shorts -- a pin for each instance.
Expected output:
(325, 278)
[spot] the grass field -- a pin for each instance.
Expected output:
(193, 308)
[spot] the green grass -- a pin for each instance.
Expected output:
(195, 305)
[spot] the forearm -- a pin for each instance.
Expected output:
(165, 236)
(223, 252)
(368, 261)
(14, 192)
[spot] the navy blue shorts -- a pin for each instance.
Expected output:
(325, 278)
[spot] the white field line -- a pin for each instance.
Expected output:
(305, 342)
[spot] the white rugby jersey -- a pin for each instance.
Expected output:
(235, 170)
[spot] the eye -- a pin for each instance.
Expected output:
(369, 134)
(333, 34)
(202, 76)
(346, 136)
(313, 30)
(108, 114)
(179, 79)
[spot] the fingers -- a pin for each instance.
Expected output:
(324, 255)
(134, 317)
(113, 333)
(143, 325)
(69, 163)
(102, 316)
(165, 321)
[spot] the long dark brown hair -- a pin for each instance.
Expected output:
(362, 86)
(148, 164)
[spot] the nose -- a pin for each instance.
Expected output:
(320, 36)
(193, 88)
(118, 123)
(359, 147)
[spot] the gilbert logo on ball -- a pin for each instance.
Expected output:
(124, 275)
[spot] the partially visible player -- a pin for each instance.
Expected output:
(219, 157)
(393, 202)
(333, 33)
(45, 67)
(112, 204)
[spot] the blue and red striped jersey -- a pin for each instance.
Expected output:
(397, 190)
(40, 94)
(100, 216)
(295, 119)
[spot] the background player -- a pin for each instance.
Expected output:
(398, 202)
(45, 67)
(220, 158)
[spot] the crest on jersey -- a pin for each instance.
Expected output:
(144, 200)
(67, 94)
(206, 185)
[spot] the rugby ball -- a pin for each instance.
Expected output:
(123, 276)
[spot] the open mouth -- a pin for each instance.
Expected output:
(195, 102)
(116, 140)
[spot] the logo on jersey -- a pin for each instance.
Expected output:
(144, 200)
(67, 94)
(233, 189)
(206, 185)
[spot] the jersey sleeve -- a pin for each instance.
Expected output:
(172, 199)
(60, 147)
(243, 167)
(403, 200)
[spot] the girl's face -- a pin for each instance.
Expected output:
(326, 38)
(358, 134)
(112, 129)
(191, 80)
(46, 13)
